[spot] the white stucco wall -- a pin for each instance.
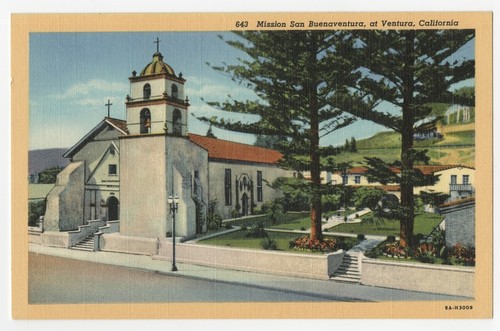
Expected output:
(158, 86)
(443, 184)
(217, 189)
(160, 113)
(183, 159)
(64, 202)
(143, 186)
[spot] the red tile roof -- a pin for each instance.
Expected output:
(357, 170)
(228, 150)
(120, 124)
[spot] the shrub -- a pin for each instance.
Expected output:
(269, 244)
(35, 210)
(361, 236)
(276, 212)
(302, 229)
(257, 231)
(425, 253)
(234, 214)
(214, 220)
(391, 238)
(228, 226)
(169, 234)
(244, 228)
(463, 255)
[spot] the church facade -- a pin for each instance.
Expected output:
(125, 170)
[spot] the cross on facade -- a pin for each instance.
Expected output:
(108, 105)
(157, 42)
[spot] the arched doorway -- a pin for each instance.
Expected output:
(244, 205)
(113, 209)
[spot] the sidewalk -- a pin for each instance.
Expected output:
(319, 288)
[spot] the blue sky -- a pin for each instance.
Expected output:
(72, 75)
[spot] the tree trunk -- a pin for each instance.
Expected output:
(316, 232)
(407, 198)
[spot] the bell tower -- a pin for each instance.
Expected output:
(157, 103)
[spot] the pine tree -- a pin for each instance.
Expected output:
(302, 79)
(353, 148)
(409, 69)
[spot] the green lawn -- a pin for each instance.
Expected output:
(240, 240)
(424, 224)
(290, 221)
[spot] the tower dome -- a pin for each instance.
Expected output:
(157, 66)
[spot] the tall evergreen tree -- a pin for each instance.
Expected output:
(347, 146)
(353, 148)
(409, 69)
(302, 79)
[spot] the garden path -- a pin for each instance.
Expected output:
(336, 220)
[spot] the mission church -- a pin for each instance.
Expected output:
(123, 171)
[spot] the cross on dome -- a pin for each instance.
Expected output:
(157, 42)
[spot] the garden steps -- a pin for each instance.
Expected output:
(349, 270)
(86, 244)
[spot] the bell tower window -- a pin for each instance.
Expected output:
(175, 91)
(177, 122)
(145, 121)
(146, 90)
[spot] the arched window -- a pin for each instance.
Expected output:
(175, 91)
(177, 122)
(145, 121)
(146, 90)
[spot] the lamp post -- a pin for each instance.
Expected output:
(173, 204)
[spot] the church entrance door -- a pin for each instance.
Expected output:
(244, 205)
(113, 209)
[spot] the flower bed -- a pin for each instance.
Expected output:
(428, 253)
(305, 243)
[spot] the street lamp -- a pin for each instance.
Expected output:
(173, 204)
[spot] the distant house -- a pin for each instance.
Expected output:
(459, 222)
(455, 180)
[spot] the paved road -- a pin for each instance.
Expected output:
(59, 280)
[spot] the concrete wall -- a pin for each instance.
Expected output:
(335, 261)
(460, 224)
(115, 242)
(65, 201)
(143, 205)
(216, 180)
(419, 277)
(55, 239)
(269, 262)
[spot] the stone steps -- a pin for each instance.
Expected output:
(86, 244)
(348, 270)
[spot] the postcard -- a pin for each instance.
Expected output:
(252, 165)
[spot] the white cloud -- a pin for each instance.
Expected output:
(210, 90)
(91, 88)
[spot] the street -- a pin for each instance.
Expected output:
(59, 280)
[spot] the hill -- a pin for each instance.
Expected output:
(456, 147)
(42, 159)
